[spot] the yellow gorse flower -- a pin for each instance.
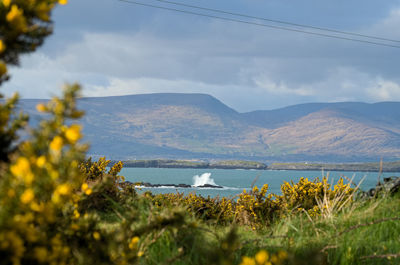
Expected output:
(56, 144)
(14, 14)
(36, 207)
(63, 189)
(96, 235)
(22, 169)
(261, 257)
(6, 3)
(248, 261)
(16, 17)
(134, 242)
(2, 47)
(41, 107)
(27, 196)
(85, 188)
(63, 2)
(41, 161)
(76, 214)
(73, 133)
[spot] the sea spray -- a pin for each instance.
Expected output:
(205, 178)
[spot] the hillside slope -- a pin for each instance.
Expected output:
(200, 126)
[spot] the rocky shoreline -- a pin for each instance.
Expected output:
(252, 165)
(150, 185)
(390, 185)
(165, 163)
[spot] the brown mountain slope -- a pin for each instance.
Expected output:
(200, 126)
(327, 132)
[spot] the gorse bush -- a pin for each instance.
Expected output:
(105, 187)
(40, 221)
(23, 28)
(257, 209)
(306, 195)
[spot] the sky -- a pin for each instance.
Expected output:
(113, 47)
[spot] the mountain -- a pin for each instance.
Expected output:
(185, 126)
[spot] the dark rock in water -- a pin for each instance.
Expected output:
(390, 185)
(146, 184)
(149, 185)
(183, 186)
(128, 183)
(209, 186)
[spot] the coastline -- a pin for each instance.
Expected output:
(251, 165)
(356, 167)
(164, 163)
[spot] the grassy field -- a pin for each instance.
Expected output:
(364, 232)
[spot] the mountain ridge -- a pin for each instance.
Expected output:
(181, 126)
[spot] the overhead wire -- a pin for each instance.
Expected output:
(260, 24)
(278, 21)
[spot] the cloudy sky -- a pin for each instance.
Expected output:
(117, 48)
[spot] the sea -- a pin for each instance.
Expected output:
(236, 180)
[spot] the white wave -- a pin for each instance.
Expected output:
(205, 178)
(217, 189)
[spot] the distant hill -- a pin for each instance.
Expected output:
(185, 126)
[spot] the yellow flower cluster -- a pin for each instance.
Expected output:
(85, 188)
(37, 192)
(73, 133)
(22, 170)
(305, 194)
(256, 208)
(26, 24)
(44, 197)
(264, 258)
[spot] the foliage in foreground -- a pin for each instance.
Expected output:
(58, 208)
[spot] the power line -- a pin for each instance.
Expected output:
(259, 24)
(278, 21)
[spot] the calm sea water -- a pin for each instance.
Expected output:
(234, 181)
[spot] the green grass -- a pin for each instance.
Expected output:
(353, 236)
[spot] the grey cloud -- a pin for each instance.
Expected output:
(244, 66)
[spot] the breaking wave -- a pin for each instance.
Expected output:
(203, 179)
